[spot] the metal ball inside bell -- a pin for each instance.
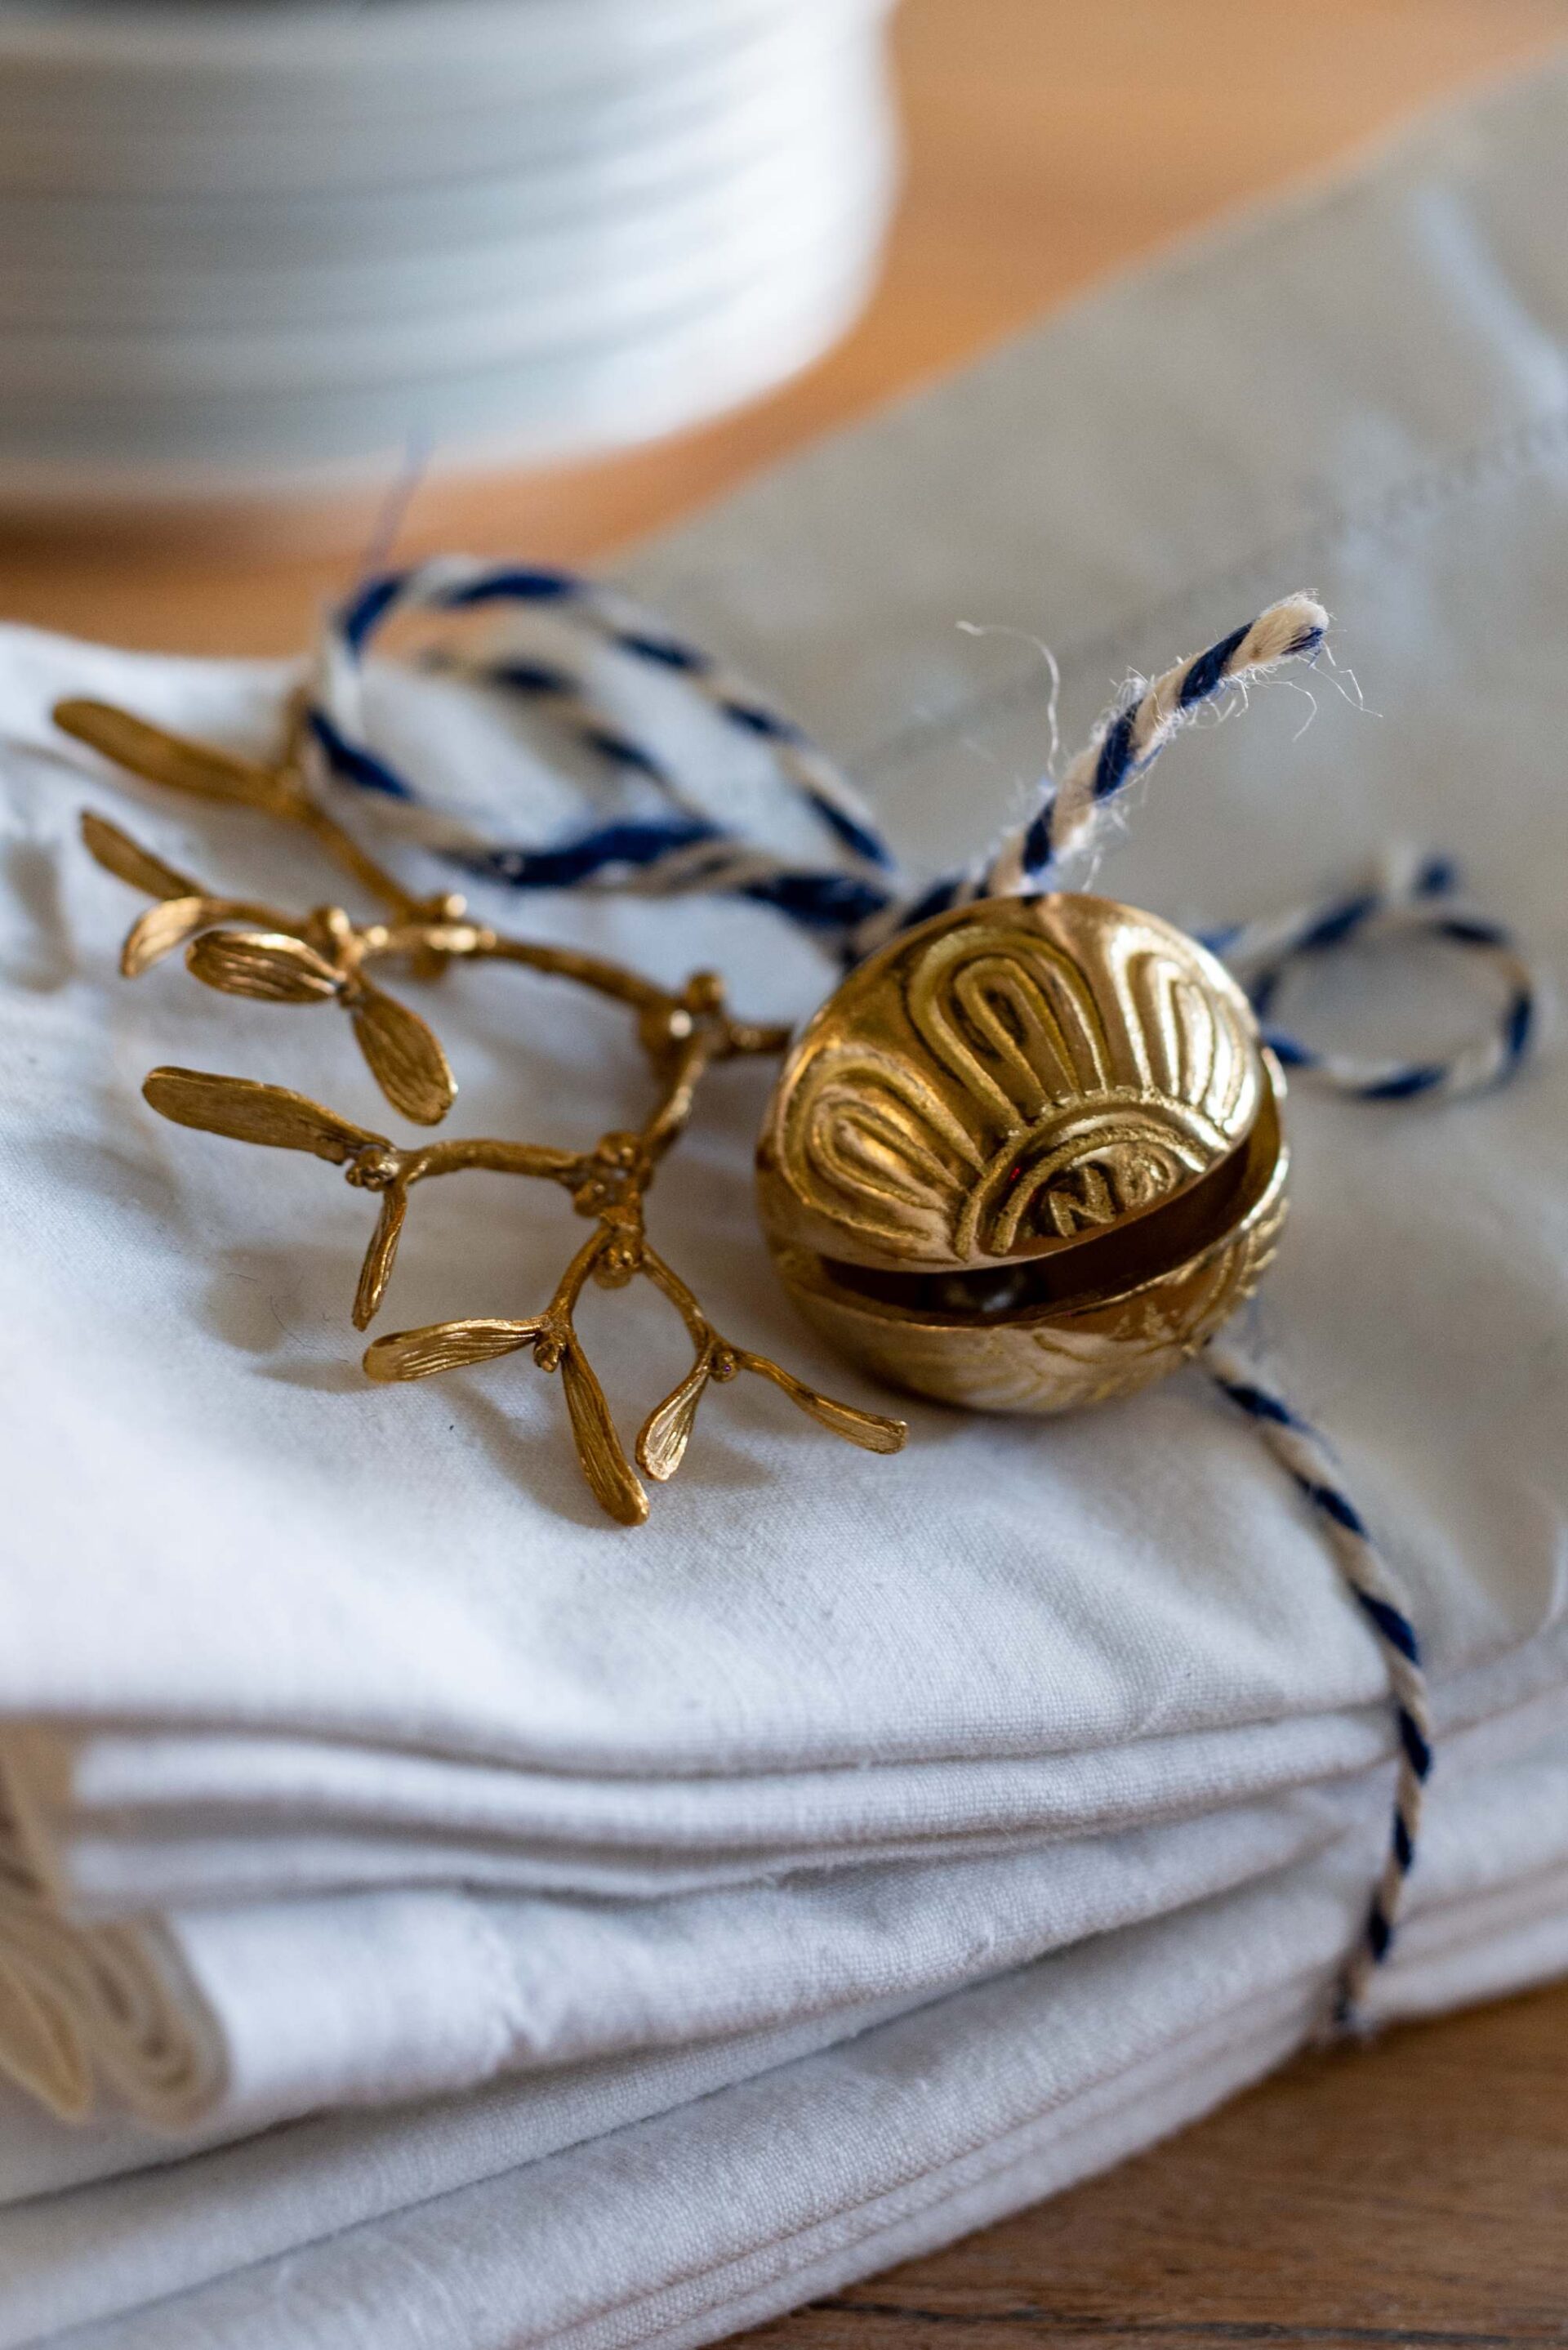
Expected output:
(1029, 1155)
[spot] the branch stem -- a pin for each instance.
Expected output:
(495, 1157)
(345, 850)
(568, 962)
(574, 1279)
(669, 1284)
(671, 1114)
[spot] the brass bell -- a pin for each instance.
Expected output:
(1029, 1155)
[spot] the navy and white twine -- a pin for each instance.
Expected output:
(859, 900)
(1031, 856)
(854, 905)
(850, 906)
(679, 850)
(1378, 1593)
(1405, 896)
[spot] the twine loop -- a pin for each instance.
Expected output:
(1407, 896)
(674, 846)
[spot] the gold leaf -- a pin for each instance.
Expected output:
(667, 1431)
(868, 1430)
(248, 1112)
(163, 927)
(129, 861)
(381, 1255)
(405, 1058)
(604, 1464)
(171, 759)
(445, 1346)
(267, 965)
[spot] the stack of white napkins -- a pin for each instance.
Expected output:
(863, 1847)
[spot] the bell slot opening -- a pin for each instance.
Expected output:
(1105, 1266)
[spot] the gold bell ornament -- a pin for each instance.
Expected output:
(1029, 1155)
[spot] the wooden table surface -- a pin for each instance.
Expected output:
(1416, 2193)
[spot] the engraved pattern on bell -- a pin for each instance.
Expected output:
(1011, 1075)
(1028, 1087)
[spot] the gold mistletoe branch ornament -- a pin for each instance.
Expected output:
(246, 948)
(1029, 1155)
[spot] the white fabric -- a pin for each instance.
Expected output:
(236, 1578)
(547, 2212)
(232, 2016)
(1048, 1633)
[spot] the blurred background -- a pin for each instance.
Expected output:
(281, 279)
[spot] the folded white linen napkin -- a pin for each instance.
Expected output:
(232, 2016)
(106, 1825)
(1371, 385)
(591, 2208)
